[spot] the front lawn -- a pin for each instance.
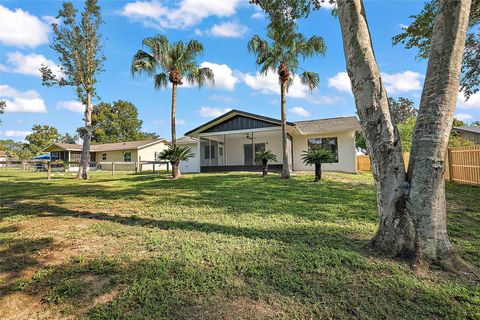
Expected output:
(216, 246)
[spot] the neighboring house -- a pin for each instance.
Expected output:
(3, 157)
(471, 133)
(229, 142)
(109, 152)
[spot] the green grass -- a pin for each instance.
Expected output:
(217, 246)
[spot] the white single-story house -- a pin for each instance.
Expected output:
(131, 151)
(229, 142)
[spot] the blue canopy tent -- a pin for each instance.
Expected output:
(45, 156)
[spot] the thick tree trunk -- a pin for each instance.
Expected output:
(264, 168)
(174, 113)
(285, 168)
(176, 170)
(427, 202)
(395, 233)
(412, 211)
(85, 157)
(318, 172)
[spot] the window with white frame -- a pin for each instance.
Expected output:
(104, 156)
(330, 143)
(127, 157)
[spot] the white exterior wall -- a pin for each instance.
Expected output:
(193, 164)
(234, 146)
(148, 154)
(346, 152)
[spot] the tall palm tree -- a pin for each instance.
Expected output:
(317, 157)
(171, 62)
(280, 54)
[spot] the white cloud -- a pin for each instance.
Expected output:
(209, 112)
(299, 111)
(258, 15)
(228, 30)
(224, 77)
(324, 100)
(17, 133)
(20, 28)
(187, 13)
(341, 82)
(16, 101)
(71, 105)
(222, 98)
(29, 64)
(327, 5)
(472, 103)
(402, 81)
(179, 122)
(463, 116)
(269, 84)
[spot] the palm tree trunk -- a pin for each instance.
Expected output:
(174, 111)
(265, 168)
(318, 172)
(285, 168)
(176, 170)
(85, 157)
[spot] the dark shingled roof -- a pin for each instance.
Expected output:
(474, 129)
(329, 125)
(106, 146)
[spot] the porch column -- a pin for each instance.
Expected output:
(224, 150)
(199, 154)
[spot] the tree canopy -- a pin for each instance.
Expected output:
(419, 33)
(41, 137)
(116, 122)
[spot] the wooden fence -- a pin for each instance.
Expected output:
(462, 164)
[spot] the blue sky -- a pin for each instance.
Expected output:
(224, 27)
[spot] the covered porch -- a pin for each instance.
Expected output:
(235, 151)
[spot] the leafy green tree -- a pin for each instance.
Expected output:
(419, 34)
(116, 122)
(406, 129)
(15, 150)
(3, 104)
(67, 138)
(316, 157)
(171, 62)
(79, 48)
(264, 157)
(401, 109)
(280, 54)
(41, 137)
(175, 153)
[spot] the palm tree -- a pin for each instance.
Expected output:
(317, 157)
(175, 154)
(171, 62)
(280, 54)
(264, 157)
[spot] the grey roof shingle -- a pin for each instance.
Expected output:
(107, 146)
(329, 125)
(475, 129)
(186, 140)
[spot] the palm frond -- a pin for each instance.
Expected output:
(265, 155)
(310, 79)
(200, 77)
(317, 156)
(314, 45)
(161, 80)
(175, 153)
(143, 62)
(194, 47)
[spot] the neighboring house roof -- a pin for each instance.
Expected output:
(106, 146)
(186, 140)
(304, 127)
(474, 129)
(329, 125)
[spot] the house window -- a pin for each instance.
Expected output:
(206, 149)
(104, 156)
(330, 143)
(220, 151)
(127, 157)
